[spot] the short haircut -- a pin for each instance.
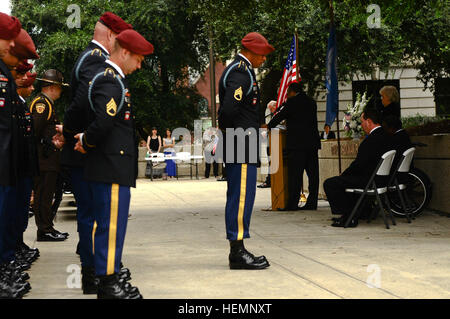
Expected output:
(392, 122)
(295, 87)
(372, 113)
(391, 93)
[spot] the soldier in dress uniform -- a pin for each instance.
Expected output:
(111, 162)
(239, 111)
(12, 278)
(31, 168)
(77, 119)
(45, 120)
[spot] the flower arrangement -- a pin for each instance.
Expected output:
(352, 117)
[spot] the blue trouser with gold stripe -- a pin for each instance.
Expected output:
(85, 215)
(111, 203)
(14, 218)
(241, 189)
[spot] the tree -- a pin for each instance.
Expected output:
(411, 32)
(161, 93)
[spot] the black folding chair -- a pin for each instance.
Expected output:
(380, 177)
(402, 170)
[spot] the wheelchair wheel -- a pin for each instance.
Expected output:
(417, 194)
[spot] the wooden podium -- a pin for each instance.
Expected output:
(278, 179)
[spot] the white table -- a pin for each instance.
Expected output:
(185, 159)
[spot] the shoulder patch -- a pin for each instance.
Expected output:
(111, 107)
(40, 107)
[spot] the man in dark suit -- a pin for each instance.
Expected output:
(302, 143)
(111, 162)
(357, 175)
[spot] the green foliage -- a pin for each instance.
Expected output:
(161, 93)
(418, 120)
(413, 32)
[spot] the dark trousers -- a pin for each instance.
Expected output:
(341, 202)
(268, 179)
(44, 191)
(16, 208)
(85, 215)
(110, 204)
(6, 221)
(208, 169)
(298, 162)
(241, 189)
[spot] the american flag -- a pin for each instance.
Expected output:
(289, 74)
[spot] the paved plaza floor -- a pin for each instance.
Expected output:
(175, 247)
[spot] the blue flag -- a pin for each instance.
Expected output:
(331, 81)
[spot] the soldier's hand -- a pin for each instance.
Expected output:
(78, 146)
(58, 140)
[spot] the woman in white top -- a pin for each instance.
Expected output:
(168, 145)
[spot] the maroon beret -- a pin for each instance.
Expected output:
(114, 22)
(134, 42)
(24, 67)
(24, 46)
(9, 26)
(257, 43)
(31, 77)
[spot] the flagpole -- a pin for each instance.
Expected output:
(296, 54)
(337, 113)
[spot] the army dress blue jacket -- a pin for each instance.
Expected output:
(110, 140)
(76, 117)
(240, 109)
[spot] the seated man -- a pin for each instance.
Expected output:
(357, 175)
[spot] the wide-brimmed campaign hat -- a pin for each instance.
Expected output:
(52, 76)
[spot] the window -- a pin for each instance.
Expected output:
(442, 96)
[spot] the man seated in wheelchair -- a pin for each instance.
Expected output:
(358, 174)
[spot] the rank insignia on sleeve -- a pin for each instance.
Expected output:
(111, 107)
(40, 108)
(238, 94)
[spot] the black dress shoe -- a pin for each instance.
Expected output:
(50, 236)
(264, 185)
(109, 287)
(89, 283)
(125, 274)
(7, 292)
(242, 259)
(341, 222)
(63, 234)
